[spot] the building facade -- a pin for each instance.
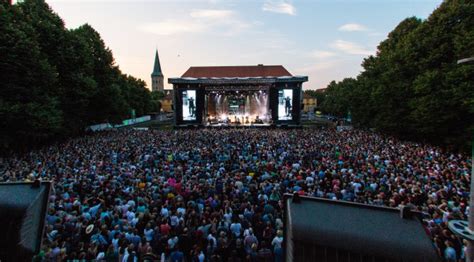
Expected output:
(167, 102)
(309, 103)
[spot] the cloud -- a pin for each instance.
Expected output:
(199, 21)
(319, 54)
(351, 48)
(171, 27)
(279, 6)
(318, 67)
(353, 27)
(211, 13)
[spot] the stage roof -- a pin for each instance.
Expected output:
(236, 71)
(237, 80)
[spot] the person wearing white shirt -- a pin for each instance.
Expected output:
(172, 242)
(130, 216)
(212, 242)
(276, 242)
(201, 257)
(129, 252)
(174, 220)
(148, 232)
(164, 212)
(236, 228)
(181, 210)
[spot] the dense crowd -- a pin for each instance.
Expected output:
(215, 195)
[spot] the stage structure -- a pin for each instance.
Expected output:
(262, 95)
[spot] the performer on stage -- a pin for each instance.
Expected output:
(287, 106)
(191, 106)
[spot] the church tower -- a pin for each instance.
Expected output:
(157, 75)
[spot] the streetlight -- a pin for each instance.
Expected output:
(459, 227)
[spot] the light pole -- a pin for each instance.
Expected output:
(460, 227)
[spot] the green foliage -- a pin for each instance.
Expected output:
(157, 95)
(413, 88)
(56, 81)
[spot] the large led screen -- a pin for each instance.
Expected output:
(285, 104)
(189, 105)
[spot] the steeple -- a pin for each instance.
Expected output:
(157, 76)
(157, 66)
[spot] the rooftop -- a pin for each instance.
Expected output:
(236, 71)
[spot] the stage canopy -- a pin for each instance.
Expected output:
(236, 95)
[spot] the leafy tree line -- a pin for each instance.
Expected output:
(413, 87)
(55, 81)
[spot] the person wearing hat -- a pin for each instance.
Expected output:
(89, 229)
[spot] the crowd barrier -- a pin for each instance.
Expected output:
(126, 122)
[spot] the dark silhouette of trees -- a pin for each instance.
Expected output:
(55, 81)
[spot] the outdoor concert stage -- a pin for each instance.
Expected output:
(233, 96)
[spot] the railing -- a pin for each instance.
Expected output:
(126, 122)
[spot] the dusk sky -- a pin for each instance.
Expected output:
(323, 39)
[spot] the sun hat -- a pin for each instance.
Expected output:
(89, 228)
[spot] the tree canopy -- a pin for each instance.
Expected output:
(413, 87)
(56, 81)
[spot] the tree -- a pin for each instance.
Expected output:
(413, 88)
(442, 108)
(338, 96)
(28, 108)
(58, 81)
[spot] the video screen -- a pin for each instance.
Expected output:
(285, 104)
(189, 105)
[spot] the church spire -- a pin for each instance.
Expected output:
(157, 76)
(157, 66)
